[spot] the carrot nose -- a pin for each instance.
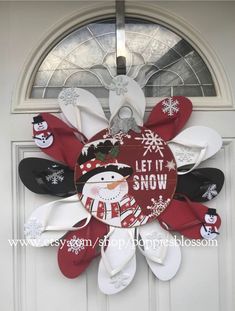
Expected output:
(114, 184)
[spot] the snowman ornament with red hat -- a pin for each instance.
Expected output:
(103, 186)
(41, 134)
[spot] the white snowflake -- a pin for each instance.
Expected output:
(170, 165)
(75, 245)
(158, 206)
(33, 229)
(120, 279)
(68, 96)
(184, 154)
(119, 137)
(211, 192)
(56, 177)
(153, 143)
(170, 106)
(119, 85)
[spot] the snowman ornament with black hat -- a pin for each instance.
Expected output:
(41, 133)
(209, 229)
(103, 186)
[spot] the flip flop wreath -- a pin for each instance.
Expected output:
(121, 181)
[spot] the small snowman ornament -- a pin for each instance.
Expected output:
(209, 229)
(103, 186)
(41, 134)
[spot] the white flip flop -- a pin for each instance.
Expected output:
(50, 222)
(83, 111)
(162, 253)
(194, 145)
(124, 91)
(117, 266)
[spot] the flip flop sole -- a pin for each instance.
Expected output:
(117, 253)
(186, 146)
(65, 146)
(160, 244)
(83, 111)
(125, 91)
(201, 185)
(80, 249)
(188, 218)
(169, 116)
(65, 213)
(43, 176)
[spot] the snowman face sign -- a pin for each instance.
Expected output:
(41, 126)
(126, 179)
(107, 187)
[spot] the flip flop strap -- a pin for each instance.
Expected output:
(157, 259)
(182, 227)
(86, 109)
(62, 228)
(201, 155)
(107, 264)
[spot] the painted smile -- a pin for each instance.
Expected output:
(105, 194)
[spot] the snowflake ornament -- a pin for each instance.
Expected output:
(56, 177)
(210, 193)
(75, 245)
(152, 142)
(68, 96)
(170, 106)
(118, 137)
(120, 279)
(184, 154)
(119, 85)
(158, 206)
(33, 229)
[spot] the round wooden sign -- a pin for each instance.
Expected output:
(126, 180)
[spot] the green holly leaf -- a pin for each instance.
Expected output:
(100, 156)
(114, 151)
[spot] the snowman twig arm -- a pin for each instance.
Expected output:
(35, 137)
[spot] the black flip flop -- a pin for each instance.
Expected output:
(201, 185)
(47, 177)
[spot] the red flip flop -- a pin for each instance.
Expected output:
(169, 116)
(80, 247)
(56, 139)
(193, 220)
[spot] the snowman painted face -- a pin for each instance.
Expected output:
(210, 219)
(107, 187)
(43, 141)
(41, 126)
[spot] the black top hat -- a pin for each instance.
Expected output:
(90, 153)
(37, 119)
(211, 211)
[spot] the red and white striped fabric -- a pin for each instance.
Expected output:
(127, 210)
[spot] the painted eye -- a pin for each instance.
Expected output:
(112, 177)
(102, 178)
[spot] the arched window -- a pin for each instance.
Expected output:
(164, 55)
(162, 62)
